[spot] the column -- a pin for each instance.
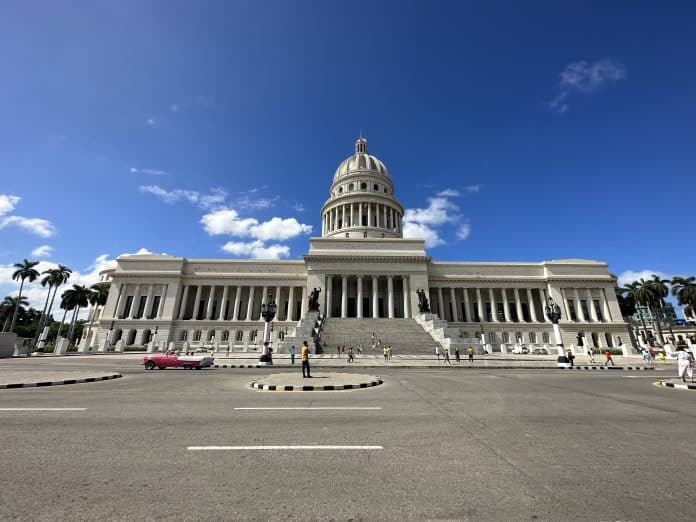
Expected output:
(197, 303)
(359, 308)
(390, 296)
(250, 303)
(494, 306)
(343, 216)
(384, 224)
(223, 303)
(303, 302)
(184, 300)
(211, 302)
(518, 305)
(237, 299)
(506, 305)
(405, 283)
(329, 288)
(605, 304)
(542, 297)
(375, 298)
(369, 215)
(264, 293)
(578, 306)
(352, 214)
(441, 304)
(291, 304)
(277, 300)
(148, 301)
(467, 306)
(121, 303)
(163, 300)
(136, 300)
(453, 304)
(530, 304)
(344, 297)
(479, 305)
(590, 305)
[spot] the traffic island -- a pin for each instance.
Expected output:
(602, 367)
(318, 382)
(676, 383)
(33, 379)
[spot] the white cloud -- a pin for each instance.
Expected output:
(463, 231)
(629, 276)
(420, 231)
(440, 210)
(227, 221)
(256, 249)
(42, 251)
(473, 188)
(298, 207)
(279, 229)
(214, 198)
(38, 226)
(149, 172)
(583, 77)
(448, 193)
(8, 203)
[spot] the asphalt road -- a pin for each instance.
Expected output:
(465, 445)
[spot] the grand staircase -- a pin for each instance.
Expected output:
(405, 336)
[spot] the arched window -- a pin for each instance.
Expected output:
(492, 338)
(340, 190)
(385, 190)
(375, 187)
(532, 337)
(197, 335)
(506, 337)
(240, 336)
(184, 335)
(211, 335)
(351, 187)
(252, 336)
(363, 186)
(281, 335)
(225, 335)
(347, 234)
(545, 337)
(365, 234)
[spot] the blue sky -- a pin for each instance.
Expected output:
(212, 129)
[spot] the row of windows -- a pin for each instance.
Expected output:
(210, 337)
(532, 338)
(363, 186)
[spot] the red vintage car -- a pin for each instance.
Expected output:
(172, 359)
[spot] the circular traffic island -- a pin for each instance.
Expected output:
(325, 381)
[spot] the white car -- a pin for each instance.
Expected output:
(519, 349)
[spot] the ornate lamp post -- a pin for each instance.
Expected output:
(268, 312)
(553, 312)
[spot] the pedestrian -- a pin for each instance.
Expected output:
(470, 351)
(350, 355)
(662, 357)
(372, 338)
(609, 359)
(651, 351)
(389, 352)
(447, 357)
(343, 349)
(685, 363)
(571, 357)
(304, 354)
(385, 350)
(456, 355)
(338, 350)
(590, 355)
(292, 355)
(437, 353)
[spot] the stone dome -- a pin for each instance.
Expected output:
(361, 161)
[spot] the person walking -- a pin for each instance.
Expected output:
(292, 355)
(389, 352)
(651, 351)
(437, 353)
(571, 357)
(470, 351)
(590, 355)
(304, 354)
(350, 355)
(447, 357)
(338, 350)
(609, 359)
(685, 363)
(385, 350)
(456, 355)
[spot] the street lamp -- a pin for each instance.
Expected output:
(553, 312)
(268, 312)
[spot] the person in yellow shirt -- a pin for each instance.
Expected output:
(305, 360)
(385, 349)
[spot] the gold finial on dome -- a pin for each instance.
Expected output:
(361, 145)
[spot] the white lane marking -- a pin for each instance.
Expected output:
(315, 408)
(225, 448)
(43, 409)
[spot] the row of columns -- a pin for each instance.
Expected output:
(374, 285)
(531, 301)
(220, 315)
(148, 312)
(349, 215)
(589, 299)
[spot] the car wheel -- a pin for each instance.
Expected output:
(197, 367)
(149, 365)
(187, 367)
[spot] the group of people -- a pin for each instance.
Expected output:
(445, 353)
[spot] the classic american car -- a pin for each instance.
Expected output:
(173, 359)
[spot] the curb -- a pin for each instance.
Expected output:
(624, 368)
(59, 383)
(273, 387)
(678, 386)
(239, 366)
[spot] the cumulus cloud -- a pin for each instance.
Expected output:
(42, 251)
(37, 226)
(214, 198)
(420, 231)
(227, 221)
(629, 276)
(448, 193)
(279, 229)
(8, 203)
(463, 231)
(439, 210)
(583, 78)
(428, 223)
(256, 249)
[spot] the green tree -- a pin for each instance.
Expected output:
(78, 296)
(100, 293)
(8, 307)
(24, 270)
(54, 278)
(633, 292)
(684, 289)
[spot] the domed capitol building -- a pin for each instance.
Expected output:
(368, 279)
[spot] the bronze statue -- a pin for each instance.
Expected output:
(423, 304)
(313, 304)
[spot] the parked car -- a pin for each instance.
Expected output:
(562, 361)
(520, 349)
(172, 359)
(540, 351)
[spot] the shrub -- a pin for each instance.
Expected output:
(134, 348)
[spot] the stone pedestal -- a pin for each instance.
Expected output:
(503, 349)
(150, 347)
(61, 347)
(171, 346)
(119, 346)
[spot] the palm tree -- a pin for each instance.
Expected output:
(634, 292)
(661, 291)
(55, 277)
(78, 296)
(9, 305)
(24, 270)
(100, 292)
(684, 289)
(66, 304)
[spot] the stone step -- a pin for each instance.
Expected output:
(405, 336)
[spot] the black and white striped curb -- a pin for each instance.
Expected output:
(274, 387)
(238, 366)
(680, 386)
(59, 383)
(632, 368)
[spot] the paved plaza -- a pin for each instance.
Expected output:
(469, 444)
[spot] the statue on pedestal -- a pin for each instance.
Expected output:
(313, 304)
(423, 304)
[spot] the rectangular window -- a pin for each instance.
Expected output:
(571, 310)
(598, 310)
(585, 310)
(201, 309)
(127, 308)
(239, 336)
(141, 307)
(155, 306)
(252, 336)
(501, 312)
(489, 316)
